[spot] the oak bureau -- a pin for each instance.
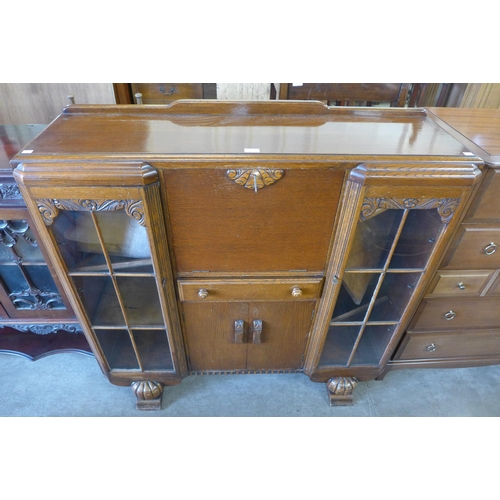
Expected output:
(215, 237)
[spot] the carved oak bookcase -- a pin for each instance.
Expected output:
(228, 238)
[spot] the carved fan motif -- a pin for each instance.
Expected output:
(255, 178)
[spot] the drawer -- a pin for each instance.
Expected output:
(456, 314)
(451, 345)
(475, 247)
(460, 283)
(160, 93)
(241, 290)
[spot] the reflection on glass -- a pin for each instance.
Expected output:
(355, 296)
(153, 349)
(99, 299)
(126, 242)
(339, 344)
(373, 240)
(117, 348)
(393, 296)
(417, 240)
(140, 300)
(77, 239)
(372, 344)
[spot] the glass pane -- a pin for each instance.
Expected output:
(373, 240)
(355, 296)
(140, 298)
(126, 242)
(77, 239)
(16, 235)
(420, 233)
(99, 299)
(118, 349)
(372, 345)
(339, 344)
(13, 279)
(393, 296)
(42, 295)
(153, 349)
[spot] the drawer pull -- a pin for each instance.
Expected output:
(203, 293)
(431, 348)
(461, 286)
(296, 292)
(490, 249)
(239, 331)
(170, 92)
(257, 331)
(450, 315)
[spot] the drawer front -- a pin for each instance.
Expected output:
(477, 248)
(460, 283)
(159, 93)
(249, 290)
(457, 314)
(451, 345)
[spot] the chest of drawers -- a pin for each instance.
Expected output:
(248, 237)
(458, 321)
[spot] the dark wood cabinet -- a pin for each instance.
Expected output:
(35, 314)
(222, 237)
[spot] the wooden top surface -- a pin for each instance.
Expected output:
(208, 127)
(479, 129)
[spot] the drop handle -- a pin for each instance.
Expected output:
(257, 331)
(431, 348)
(450, 315)
(461, 286)
(239, 331)
(490, 249)
(203, 293)
(164, 92)
(296, 292)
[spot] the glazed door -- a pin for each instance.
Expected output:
(28, 289)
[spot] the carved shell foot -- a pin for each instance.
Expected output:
(148, 394)
(340, 390)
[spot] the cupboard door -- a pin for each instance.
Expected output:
(213, 341)
(246, 336)
(283, 337)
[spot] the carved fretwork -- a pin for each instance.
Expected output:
(45, 329)
(10, 192)
(340, 390)
(148, 394)
(445, 207)
(255, 178)
(50, 208)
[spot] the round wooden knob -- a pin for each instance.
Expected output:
(296, 291)
(203, 293)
